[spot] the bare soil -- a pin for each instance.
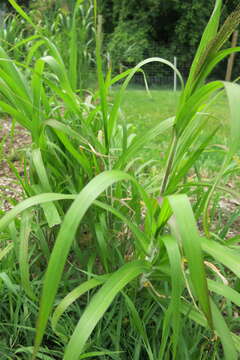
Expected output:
(12, 144)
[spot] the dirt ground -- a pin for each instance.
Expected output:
(11, 149)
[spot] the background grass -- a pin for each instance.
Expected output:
(144, 112)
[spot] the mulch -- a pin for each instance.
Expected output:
(12, 146)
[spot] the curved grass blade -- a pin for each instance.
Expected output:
(6, 250)
(33, 49)
(50, 210)
(233, 94)
(119, 97)
(214, 61)
(186, 229)
(64, 241)
(11, 69)
(78, 155)
(30, 202)
(45, 198)
(172, 315)
(25, 230)
(224, 334)
(143, 242)
(141, 140)
(139, 324)
(222, 254)
(225, 291)
(198, 317)
(194, 103)
(17, 115)
(179, 174)
(23, 14)
(71, 297)
(99, 304)
(208, 35)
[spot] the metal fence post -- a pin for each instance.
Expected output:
(175, 75)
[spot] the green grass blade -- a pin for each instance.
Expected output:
(17, 115)
(208, 35)
(194, 104)
(30, 202)
(50, 210)
(25, 230)
(198, 317)
(59, 69)
(141, 141)
(233, 93)
(211, 64)
(40, 169)
(33, 50)
(139, 324)
(223, 254)
(37, 80)
(64, 241)
(172, 316)
(177, 176)
(187, 230)
(99, 304)
(6, 250)
(10, 68)
(103, 91)
(114, 112)
(71, 297)
(78, 155)
(103, 246)
(92, 354)
(224, 334)
(23, 14)
(73, 59)
(142, 241)
(225, 291)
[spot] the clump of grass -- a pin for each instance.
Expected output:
(106, 257)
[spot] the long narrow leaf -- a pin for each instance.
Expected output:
(186, 229)
(64, 241)
(99, 304)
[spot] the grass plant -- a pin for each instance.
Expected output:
(118, 263)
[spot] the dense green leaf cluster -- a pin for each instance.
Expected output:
(120, 268)
(135, 30)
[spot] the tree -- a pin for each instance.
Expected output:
(156, 27)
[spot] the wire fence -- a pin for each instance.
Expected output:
(161, 76)
(158, 75)
(164, 77)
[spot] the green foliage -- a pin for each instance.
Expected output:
(120, 271)
(165, 28)
(128, 44)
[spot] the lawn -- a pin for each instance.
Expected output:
(145, 110)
